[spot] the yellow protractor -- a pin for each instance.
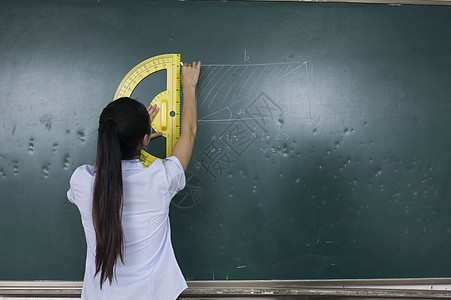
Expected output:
(167, 120)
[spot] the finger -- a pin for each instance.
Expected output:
(156, 134)
(153, 107)
(150, 107)
(153, 113)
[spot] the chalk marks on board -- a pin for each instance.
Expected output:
(242, 102)
(235, 139)
(246, 57)
(233, 84)
(191, 195)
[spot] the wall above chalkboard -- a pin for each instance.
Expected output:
(393, 2)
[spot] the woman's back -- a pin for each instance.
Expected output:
(149, 262)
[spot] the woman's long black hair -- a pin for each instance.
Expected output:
(122, 127)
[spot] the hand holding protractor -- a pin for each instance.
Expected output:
(167, 120)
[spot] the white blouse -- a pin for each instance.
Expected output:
(150, 269)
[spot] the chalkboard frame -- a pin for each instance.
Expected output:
(419, 288)
(394, 2)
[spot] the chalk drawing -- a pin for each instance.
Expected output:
(243, 99)
(246, 57)
(240, 134)
(191, 195)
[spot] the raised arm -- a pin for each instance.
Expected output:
(184, 145)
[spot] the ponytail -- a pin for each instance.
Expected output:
(107, 202)
(122, 126)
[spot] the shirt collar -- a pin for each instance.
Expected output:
(132, 164)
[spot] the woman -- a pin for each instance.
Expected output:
(124, 207)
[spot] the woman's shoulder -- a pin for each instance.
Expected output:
(165, 164)
(83, 171)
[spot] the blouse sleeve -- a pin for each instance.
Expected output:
(175, 175)
(77, 184)
(70, 192)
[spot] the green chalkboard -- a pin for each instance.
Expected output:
(323, 147)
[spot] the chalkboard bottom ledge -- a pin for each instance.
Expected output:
(439, 288)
